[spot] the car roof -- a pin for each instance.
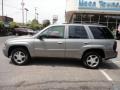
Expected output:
(83, 24)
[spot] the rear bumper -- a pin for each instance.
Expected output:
(110, 54)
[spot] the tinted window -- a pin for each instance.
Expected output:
(101, 33)
(77, 32)
(54, 32)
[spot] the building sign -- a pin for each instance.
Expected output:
(100, 4)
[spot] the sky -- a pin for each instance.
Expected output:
(45, 8)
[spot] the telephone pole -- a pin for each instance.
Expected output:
(35, 12)
(37, 15)
(22, 11)
(26, 14)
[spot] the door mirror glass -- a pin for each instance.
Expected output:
(41, 37)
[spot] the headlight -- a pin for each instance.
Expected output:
(5, 44)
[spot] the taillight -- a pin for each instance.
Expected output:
(115, 46)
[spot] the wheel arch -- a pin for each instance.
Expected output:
(17, 46)
(99, 51)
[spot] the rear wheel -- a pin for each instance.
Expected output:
(20, 56)
(92, 60)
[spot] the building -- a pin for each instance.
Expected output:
(6, 19)
(106, 12)
(55, 19)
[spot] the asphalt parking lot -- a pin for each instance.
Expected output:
(45, 74)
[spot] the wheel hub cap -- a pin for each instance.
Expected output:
(19, 57)
(93, 60)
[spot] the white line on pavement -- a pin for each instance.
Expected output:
(106, 75)
(116, 61)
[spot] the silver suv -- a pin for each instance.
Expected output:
(89, 43)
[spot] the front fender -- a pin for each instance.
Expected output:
(29, 46)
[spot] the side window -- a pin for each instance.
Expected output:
(77, 32)
(54, 32)
(101, 33)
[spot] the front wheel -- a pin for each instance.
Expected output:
(92, 60)
(20, 56)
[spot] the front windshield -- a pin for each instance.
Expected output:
(38, 33)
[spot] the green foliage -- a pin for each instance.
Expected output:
(1, 25)
(35, 25)
(13, 25)
(34, 21)
(46, 23)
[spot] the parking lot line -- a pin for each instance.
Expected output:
(106, 75)
(116, 62)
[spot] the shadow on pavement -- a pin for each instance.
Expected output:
(56, 62)
(109, 65)
(70, 63)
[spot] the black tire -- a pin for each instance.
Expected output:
(16, 60)
(87, 61)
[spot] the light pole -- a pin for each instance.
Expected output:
(26, 14)
(2, 9)
(22, 11)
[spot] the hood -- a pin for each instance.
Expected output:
(20, 39)
(23, 37)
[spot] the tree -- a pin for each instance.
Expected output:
(35, 21)
(13, 25)
(46, 23)
(1, 25)
(35, 25)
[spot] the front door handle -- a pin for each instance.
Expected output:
(60, 42)
(86, 42)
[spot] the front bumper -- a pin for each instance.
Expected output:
(5, 51)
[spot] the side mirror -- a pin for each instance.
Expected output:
(40, 37)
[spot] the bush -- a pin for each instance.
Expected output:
(35, 25)
(1, 25)
(13, 25)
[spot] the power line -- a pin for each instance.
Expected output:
(15, 8)
(19, 9)
(6, 5)
(9, 6)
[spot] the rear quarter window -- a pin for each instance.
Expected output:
(101, 32)
(77, 32)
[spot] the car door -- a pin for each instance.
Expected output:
(52, 43)
(76, 39)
